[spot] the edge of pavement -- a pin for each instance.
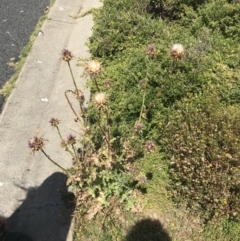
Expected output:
(31, 187)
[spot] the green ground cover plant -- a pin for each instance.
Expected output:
(188, 106)
(160, 136)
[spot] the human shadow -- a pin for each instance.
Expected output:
(46, 212)
(147, 230)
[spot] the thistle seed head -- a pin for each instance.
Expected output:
(36, 144)
(150, 146)
(54, 122)
(141, 83)
(80, 94)
(93, 67)
(151, 50)
(82, 97)
(66, 55)
(177, 51)
(63, 144)
(71, 140)
(108, 83)
(142, 179)
(100, 99)
(138, 126)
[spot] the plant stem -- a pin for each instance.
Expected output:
(74, 82)
(78, 118)
(143, 102)
(59, 133)
(104, 134)
(145, 87)
(75, 154)
(95, 81)
(155, 100)
(99, 124)
(51, 160)
(108, 132)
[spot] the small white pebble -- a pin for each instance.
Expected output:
(38, 61)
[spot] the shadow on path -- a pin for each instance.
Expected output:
(46, 212)
(147, 230)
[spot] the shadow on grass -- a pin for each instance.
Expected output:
(147, 230)
(45, 214)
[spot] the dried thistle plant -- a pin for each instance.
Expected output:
(177, 51)
(151, 50)
(66, 55)
(93, 67)
(36, 144)
(100, 100)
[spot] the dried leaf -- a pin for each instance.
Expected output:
(137, 208)
(92, 212)
(94, 158)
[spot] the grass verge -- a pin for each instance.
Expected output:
(184, 103)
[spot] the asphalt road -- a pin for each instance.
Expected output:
(18, 19)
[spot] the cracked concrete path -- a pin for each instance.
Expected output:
(33, 196)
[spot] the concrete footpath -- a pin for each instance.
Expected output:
(33, 196)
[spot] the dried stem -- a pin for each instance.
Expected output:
(108, 132)
(51, 160)
(70, 104)
(143, 102)
(95, 81)
(155, 100)
(99, 124)
(75, 154)
(59, 133)
(104, 133)
(73, 79)
(144, 94)
(76, 88)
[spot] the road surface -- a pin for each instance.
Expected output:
(18, 19)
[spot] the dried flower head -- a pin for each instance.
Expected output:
(93, 67)
(177, 51)
(142, 179)
(151, 50)
(82, 97)
(141, 83)
(150, 146)
(108, 83)
(36, 144)
(66, 55)
(71, 140)
(87, 129)
(79, 94)
(63, 144)
(100, 99)
(85, 108)
(138, 126)
(132, 170)
(54, 122)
